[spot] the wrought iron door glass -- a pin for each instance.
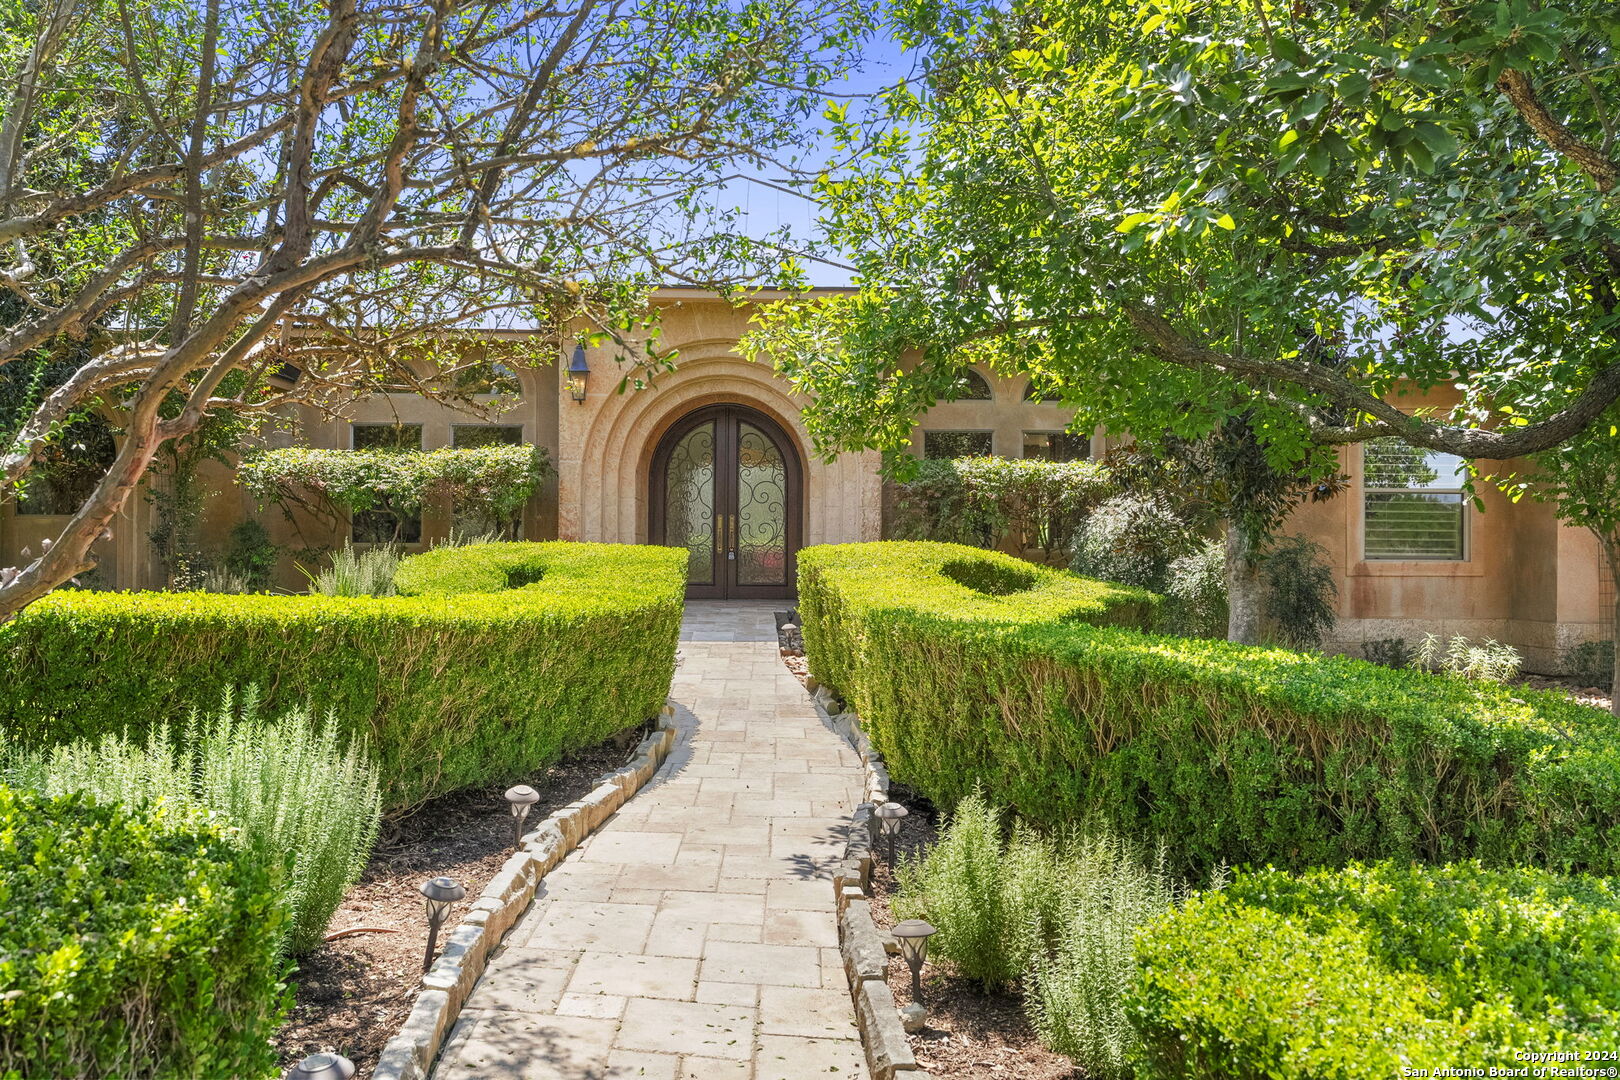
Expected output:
(689, 502)
(761, 508)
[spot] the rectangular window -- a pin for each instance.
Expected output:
(382, 525)
(386, 436)
(1415, 505)
(474, 436)
(1056, 446)
(956, 444)
(466, 523)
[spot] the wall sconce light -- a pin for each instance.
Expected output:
(913, 935)
(520, 798)
(579, 372)
(322, 1066)
(437, 895)
(889, 816)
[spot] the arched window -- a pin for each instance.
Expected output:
(1041, 390)
(970, 386)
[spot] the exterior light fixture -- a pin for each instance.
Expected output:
(322, 1066)
(579, 373)
(438, 894)
(889, 816)
(520, 798)
(913, 935)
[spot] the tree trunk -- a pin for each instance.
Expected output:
(1242, 587)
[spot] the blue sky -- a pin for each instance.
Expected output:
(765, 209)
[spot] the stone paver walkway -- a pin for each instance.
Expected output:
(692, 937)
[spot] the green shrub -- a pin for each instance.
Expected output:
(992, 501)
(994, 893)
(1059, 913)
(359, 573)
(1231, 753)
(1075, 992)
(1387, 652)
(1356, 973)
(495, 660)
(1591, 663)
(136, 943)
(1134, 539)
(252, 556)
(493, 483)
(307, 806)
(1298, 592)
(1195, 593)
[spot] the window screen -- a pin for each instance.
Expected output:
(1415, 504)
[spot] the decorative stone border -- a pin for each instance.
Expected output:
(865, 948)
(409, 1055)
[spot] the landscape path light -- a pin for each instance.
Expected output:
(438, 894)
(913, 935)
(520, 799)
(889, 816)
(322, 1066)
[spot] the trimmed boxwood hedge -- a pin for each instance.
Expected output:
(135, 943)
(1352, 974)
(970, 667)
(493, 661)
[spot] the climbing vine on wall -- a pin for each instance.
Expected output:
(493, 482)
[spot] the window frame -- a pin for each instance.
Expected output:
(1464, 553)
(1024, 444)
(987, 432)
(455, 429)
(421, 432)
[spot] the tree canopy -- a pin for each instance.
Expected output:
(240, 207)
(1183, 213)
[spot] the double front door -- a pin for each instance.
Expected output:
(726, 486)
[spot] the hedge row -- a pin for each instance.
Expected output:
(136, 943)
(1355, 974)
(494, 660)
(968, 666)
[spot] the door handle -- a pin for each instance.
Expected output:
(731, 539)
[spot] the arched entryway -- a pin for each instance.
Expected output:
(727, 485)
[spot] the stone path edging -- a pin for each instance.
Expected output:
(865, 948)
(409, 1055)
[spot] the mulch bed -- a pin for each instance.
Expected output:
(353, 993)
(970, 1034)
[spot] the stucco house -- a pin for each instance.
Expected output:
(714, 457)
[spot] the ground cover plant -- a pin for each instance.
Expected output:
(293, 795)
(493, 659)
(968, 667)
(1057, 913)
(138, 942)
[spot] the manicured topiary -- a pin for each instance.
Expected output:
(493, 661)
(968, 667)
(135, 943)
(1353, 975)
